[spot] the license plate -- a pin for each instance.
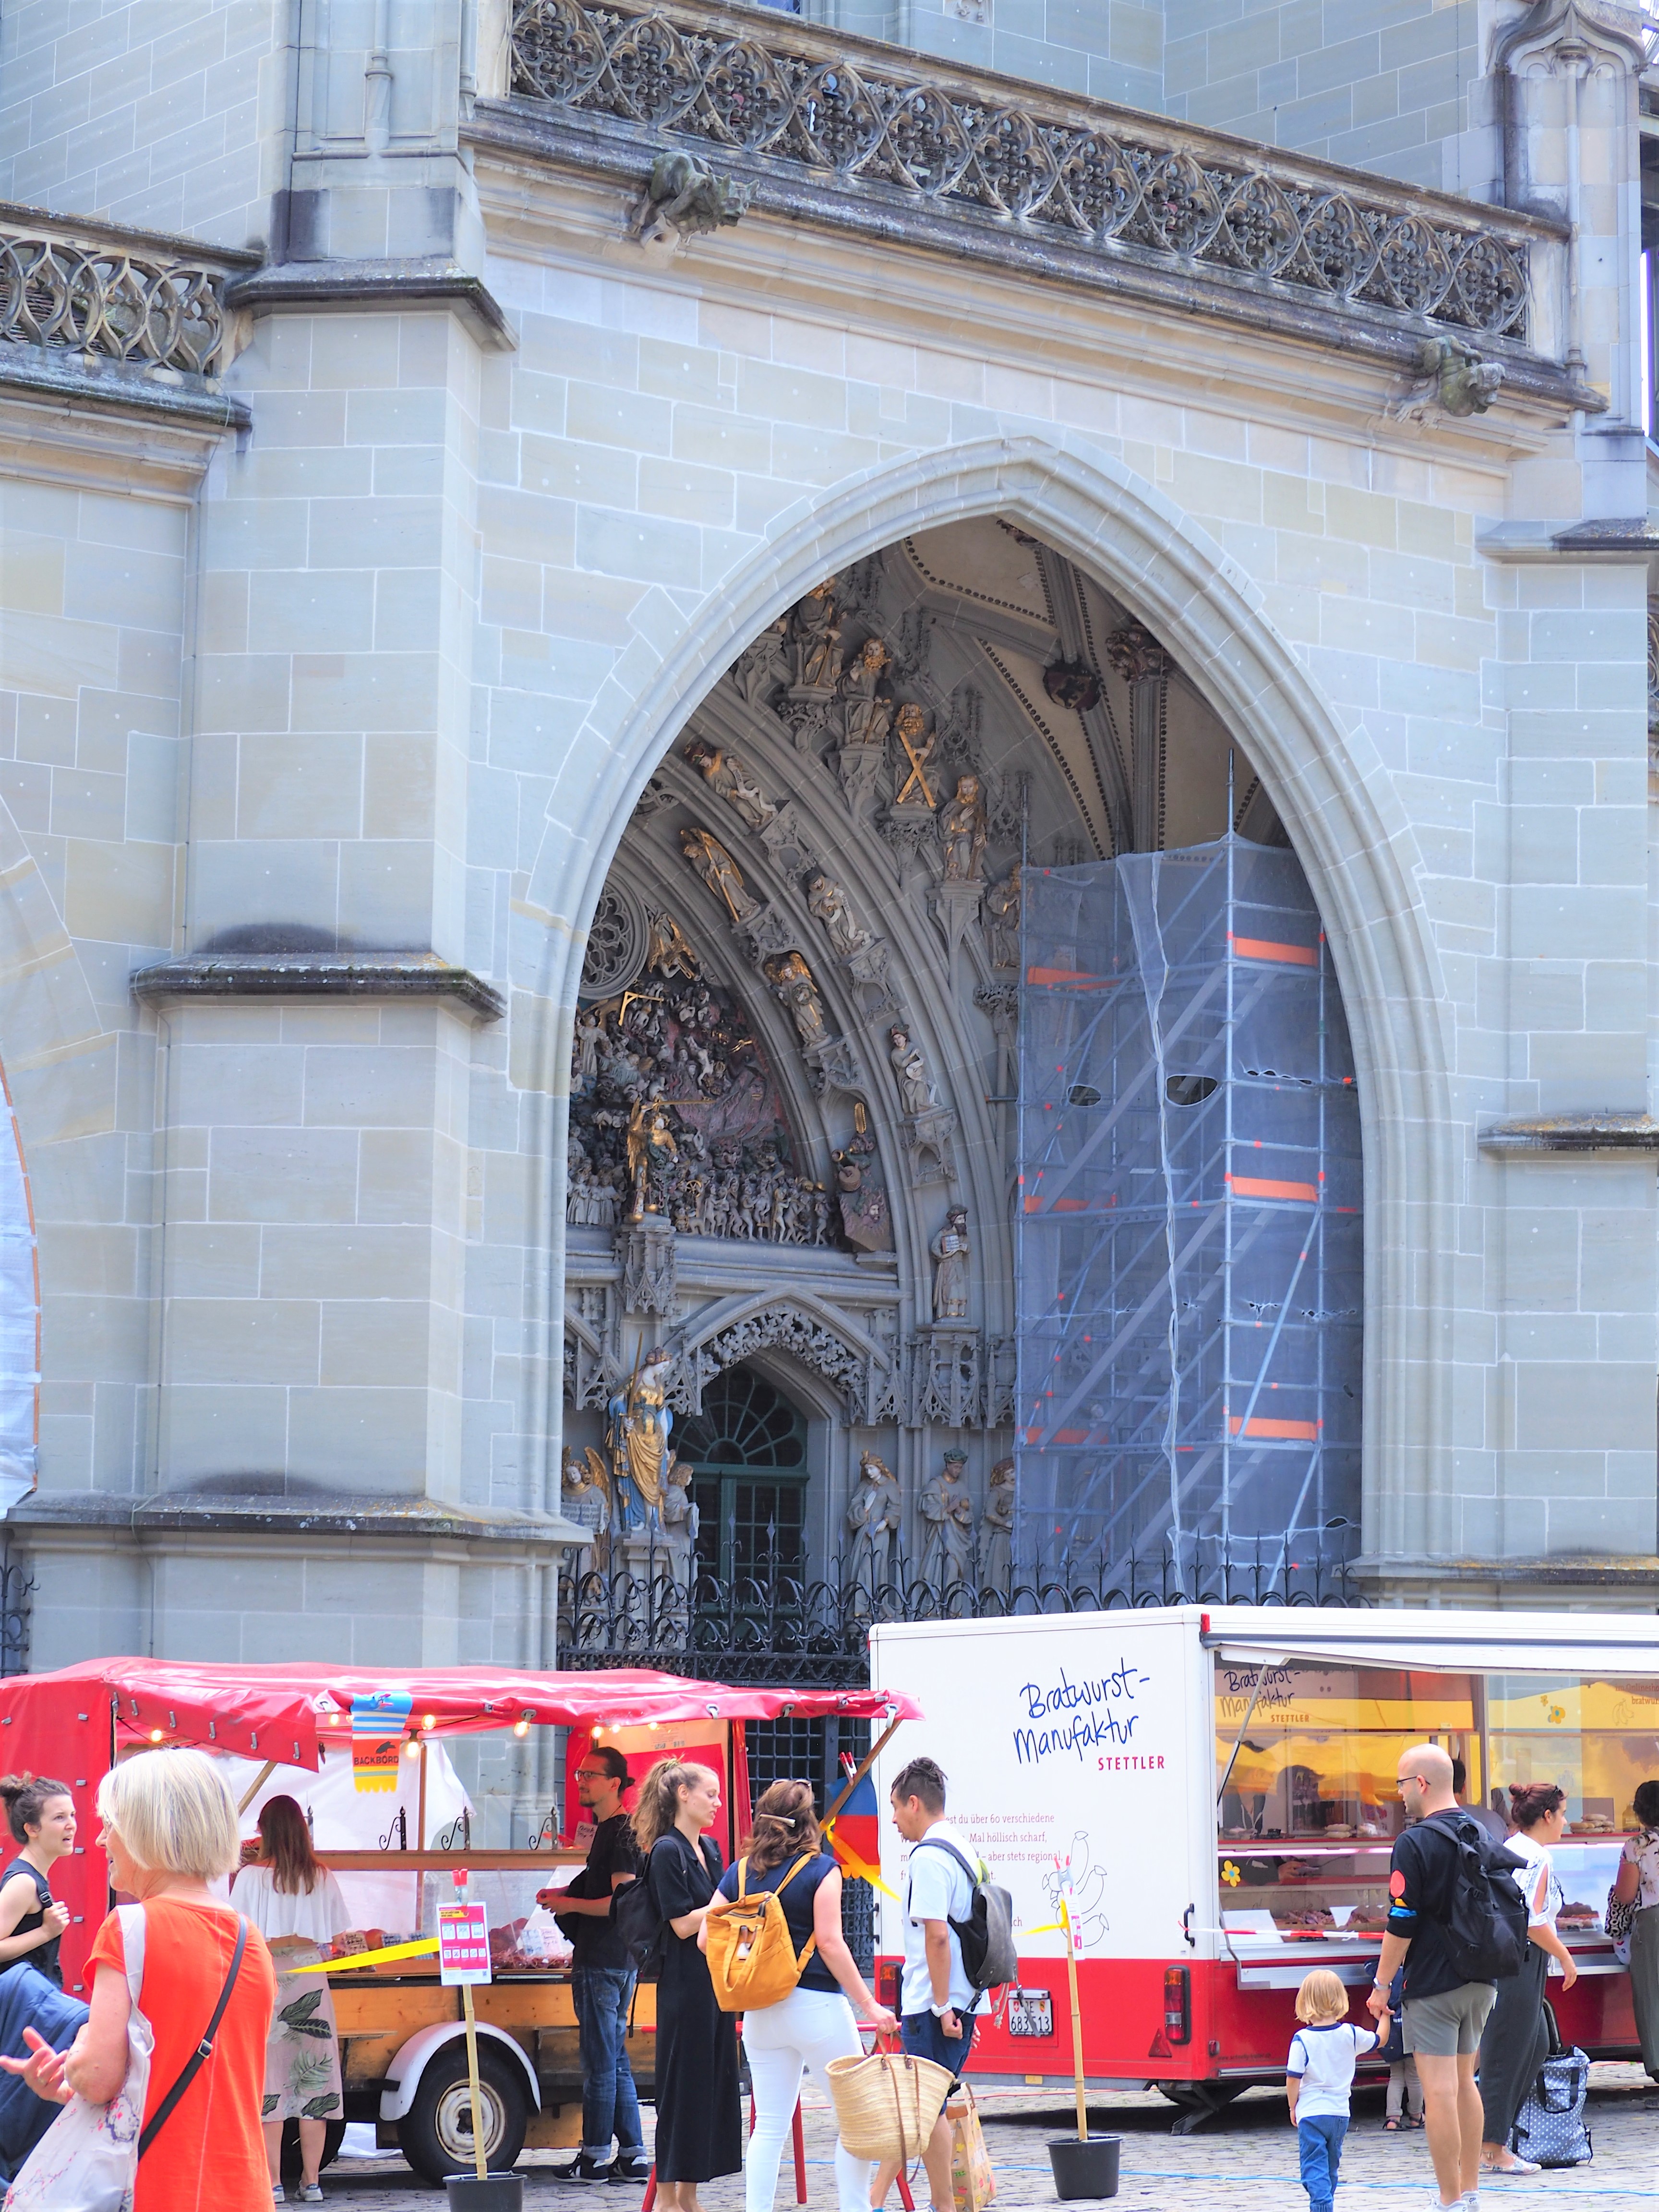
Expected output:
(1030, 2012)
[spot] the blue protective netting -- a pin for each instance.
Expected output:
(1190, 1273)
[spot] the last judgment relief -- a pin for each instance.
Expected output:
(796, 1027)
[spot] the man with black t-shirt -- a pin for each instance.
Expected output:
(601, 1979)
(1444, 2015)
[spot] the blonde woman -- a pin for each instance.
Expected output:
(699, 2117)
(169, 1827)
(815, 2022)
(297, 1905)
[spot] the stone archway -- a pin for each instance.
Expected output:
(1324, 779)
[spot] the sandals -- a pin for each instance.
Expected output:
(1391, 2127)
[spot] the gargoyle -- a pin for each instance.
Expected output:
(1463, 385)
(684, 196)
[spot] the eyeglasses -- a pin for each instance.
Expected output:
(595, 1774)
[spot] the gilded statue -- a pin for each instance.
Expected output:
(720, 871)
(961, 832)
(667, 951)
(828, 901)
(950, 1250)
(650, 1141)
(918, 741)
(642, 1422)
(792, 979)
(725, 773)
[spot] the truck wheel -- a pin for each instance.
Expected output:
(435, 2133)
(333, 2135)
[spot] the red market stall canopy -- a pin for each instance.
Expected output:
(280, 1712)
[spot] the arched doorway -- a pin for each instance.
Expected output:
(805, 963)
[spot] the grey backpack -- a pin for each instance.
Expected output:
(986, 1935)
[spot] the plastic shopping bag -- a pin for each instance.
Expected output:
(973, 2184)
(87, 2159)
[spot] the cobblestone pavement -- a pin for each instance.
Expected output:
(1239, 2162)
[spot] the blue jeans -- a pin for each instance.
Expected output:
(1319, 2140)
(611, 2106)
(923, 2036)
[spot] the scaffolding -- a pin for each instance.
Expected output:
(1189, 1220)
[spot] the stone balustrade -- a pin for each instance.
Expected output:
(105, 293)
(780, 97)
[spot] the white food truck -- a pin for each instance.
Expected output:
(1217, 1785)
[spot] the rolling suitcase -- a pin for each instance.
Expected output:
(1550, 2126)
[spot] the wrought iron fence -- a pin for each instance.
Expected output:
(17, 1589)
(1072, 169)
(815, 1630)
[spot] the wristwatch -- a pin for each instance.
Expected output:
(939, 2011)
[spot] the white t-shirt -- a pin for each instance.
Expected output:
(935, 1888)
(1322, 2060)
(317, 1914)
(1536, 1882)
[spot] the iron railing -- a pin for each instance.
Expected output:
(16, 1589)
(750, 1628)
(1071, 170)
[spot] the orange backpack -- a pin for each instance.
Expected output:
(752, 1960)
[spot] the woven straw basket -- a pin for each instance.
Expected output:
(886, 2104)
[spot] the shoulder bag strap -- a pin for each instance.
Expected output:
(204, 2051)
(806, 1859)
(743, 1880)
(132, 1950)
(939, 1844)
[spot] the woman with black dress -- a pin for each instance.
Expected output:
(699, 2113)
(41, 1815)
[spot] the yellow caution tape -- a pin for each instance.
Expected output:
(422, 1949)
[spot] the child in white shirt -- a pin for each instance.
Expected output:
(1319, 2079)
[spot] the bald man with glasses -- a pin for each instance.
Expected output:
(1444, 2015)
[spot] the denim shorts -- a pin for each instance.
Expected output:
(924, 2036)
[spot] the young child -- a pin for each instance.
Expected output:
(1318, 2078)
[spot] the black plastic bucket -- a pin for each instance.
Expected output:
(503, 2192)
(1084, 2169)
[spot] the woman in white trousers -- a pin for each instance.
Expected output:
(815, 2022)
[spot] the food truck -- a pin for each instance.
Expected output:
(402, 2038)
(1214, 1791)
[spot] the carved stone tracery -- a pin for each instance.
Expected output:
(1169, 193)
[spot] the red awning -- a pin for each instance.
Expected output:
(277, 1712)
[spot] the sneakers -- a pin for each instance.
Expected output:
(584, 2168)
(633, 2166)
(278, 2194)
(311, 2193)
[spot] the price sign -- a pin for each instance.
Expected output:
(463, 1945)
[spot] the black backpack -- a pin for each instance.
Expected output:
(986, 1935)
(1486, 1925)
(643, 1931)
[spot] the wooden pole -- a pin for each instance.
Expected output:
(1076, 2021)
(472, 2078)
(256, 1785)
(868, 1762)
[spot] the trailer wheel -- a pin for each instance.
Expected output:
(1198, 2101)
(435, 2133)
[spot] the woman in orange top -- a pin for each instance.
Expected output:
(170, 1829)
